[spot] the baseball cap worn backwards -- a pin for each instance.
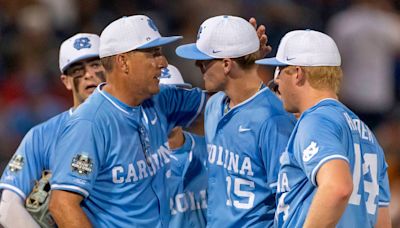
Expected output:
(222, 37)
(79, 47)
(171, 76)
(305, 48)
(131, 33)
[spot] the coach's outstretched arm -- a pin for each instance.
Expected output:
(66, 210)
(334, 189)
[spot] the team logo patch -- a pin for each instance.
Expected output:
(152, 25)
(16, 163)
(81, 43)
(165, 73)
(82, 164)
(310, 151)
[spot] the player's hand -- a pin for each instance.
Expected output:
(264, 48)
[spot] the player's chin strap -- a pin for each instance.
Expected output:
(37, 203)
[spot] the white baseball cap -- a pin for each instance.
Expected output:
(79, 47)
(131, 33)
(222, 37)
(171, 76)
(305, 48)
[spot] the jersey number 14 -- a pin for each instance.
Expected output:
(371, 187)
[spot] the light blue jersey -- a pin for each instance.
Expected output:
(32, 156)
(325, 132)
(244, 146)
(188, 183)
(116, 156)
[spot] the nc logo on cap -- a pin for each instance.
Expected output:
(165, 73)
(81, 43)
(152, 25)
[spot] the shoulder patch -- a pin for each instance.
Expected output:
(310, 151)
(16, 163)
(82, 164)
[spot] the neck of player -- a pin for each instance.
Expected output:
(242, 86)
(313, 97)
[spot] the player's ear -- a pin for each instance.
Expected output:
(121, 62)
(227, 64)
(65, 80)
(300, 76)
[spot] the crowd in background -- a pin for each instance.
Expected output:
(366, 31)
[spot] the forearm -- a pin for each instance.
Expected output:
(384, 219)
(13, 213)
(67, 212)
(326, 208)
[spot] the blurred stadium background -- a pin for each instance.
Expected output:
(32, 30)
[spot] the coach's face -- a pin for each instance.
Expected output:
(144, 67)
(213, 74)
(287, 87)
(83, 77)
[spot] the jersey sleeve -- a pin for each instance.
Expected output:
(274, 136)
(78, 159)
(318, 141)
(181, 106)
(26, 165)
(180, 157)
(384, 188)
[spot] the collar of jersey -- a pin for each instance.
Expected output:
(263, 88)
(117, 103)
(320, 103)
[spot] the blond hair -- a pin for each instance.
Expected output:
(247, 61)
(324, 77)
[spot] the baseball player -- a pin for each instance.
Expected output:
(114, 147)
(333, 172)
(81, 72)
(246, 126)
(187, 180)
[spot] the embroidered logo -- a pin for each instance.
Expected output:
(165, 73)
(154, 121)
(16, 163)
(81, 43)
(152, 25)
(310, 151)
(243, 129)
(82, 164)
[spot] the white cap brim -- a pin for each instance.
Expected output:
(190, 51)
(160, 42)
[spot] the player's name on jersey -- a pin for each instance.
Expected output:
(360, 127)
(140, 169)
(231, 161)
(186, 201)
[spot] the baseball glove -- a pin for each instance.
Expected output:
(37, 203)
